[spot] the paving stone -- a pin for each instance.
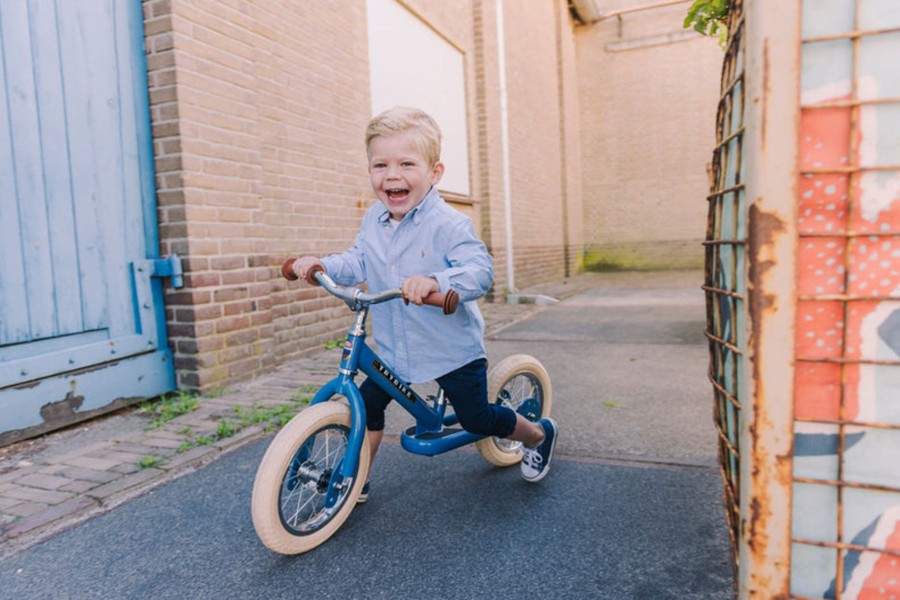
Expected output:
(52, 469)
(16, 473)
(222, 403)
(64, 458)
(124, 483)
(199, 422)
(80, 473)
(79, 487)
(51, 515)
(26, 509)
(90, 462)
(156, 434)
(43, 481)
(127, 468)
(36, 495)
(157, 442)
(8, 502)
(130, 437)
(122, 457)
(126, 446)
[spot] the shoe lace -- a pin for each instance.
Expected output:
(532, 458)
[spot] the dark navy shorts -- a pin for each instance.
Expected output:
(466, 388)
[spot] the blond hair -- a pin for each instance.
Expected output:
(403, 118)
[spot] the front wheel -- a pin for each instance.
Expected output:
(521, 383)
(295, 504)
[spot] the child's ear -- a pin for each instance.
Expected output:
(437, 172)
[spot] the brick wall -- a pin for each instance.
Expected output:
(648, 95)
(258, 113)
(257, 127)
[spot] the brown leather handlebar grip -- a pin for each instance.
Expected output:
(446, 302)
(311, 274)
(287, 271)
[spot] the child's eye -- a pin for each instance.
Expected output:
(378, 165)
(408, 163)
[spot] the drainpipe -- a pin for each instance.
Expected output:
(504, 149)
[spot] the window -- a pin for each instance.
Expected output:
(411, 65)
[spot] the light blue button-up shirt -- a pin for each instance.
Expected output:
(419, 342)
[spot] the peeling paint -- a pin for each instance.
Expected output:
(57, 417)
(62, 410)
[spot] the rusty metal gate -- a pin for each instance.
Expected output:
(803, 297)
(726, 239)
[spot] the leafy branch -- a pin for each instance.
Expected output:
(709, 17)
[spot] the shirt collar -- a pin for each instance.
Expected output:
(418, 212)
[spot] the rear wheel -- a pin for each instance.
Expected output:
(521, 383)
(296, 505)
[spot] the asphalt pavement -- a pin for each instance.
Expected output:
(632, 508)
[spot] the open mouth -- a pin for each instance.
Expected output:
(397, 194)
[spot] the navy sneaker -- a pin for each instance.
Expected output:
(536, 461)
(363, 495)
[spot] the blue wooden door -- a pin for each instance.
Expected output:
(82, 329)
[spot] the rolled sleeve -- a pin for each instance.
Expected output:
(471, 271)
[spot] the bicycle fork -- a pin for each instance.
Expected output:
(343, 475)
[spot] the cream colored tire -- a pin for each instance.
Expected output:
(511, 382)
(288, 496)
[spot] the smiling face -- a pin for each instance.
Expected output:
(400, 173)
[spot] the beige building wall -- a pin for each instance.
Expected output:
(258, 112)
(648, 94)
(542, 141)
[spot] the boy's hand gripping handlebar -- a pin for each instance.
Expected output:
(353, 296)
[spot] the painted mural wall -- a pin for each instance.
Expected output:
(846, 490)
(841, 415)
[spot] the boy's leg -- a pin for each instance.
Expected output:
(374, 443)
(466, 389)
(528, 432)
(376, 400)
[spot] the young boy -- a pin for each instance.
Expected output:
(413, 240)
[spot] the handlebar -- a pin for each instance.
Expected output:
(356, 298)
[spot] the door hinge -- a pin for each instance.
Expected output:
(169, 266)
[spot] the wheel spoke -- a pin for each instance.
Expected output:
(303, 506)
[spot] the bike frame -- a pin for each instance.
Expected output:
(432, 433)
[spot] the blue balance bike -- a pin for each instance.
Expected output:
(312, 474)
